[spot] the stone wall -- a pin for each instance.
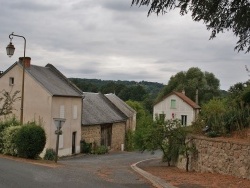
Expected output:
(92, 134)
(219, 156)
(118, 135)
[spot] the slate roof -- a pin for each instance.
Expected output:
(97, 109)
(53, 81)
(184, 98)
(126, 109)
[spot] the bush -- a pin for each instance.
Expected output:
(212, 134)
(3, 126)
(50, 154)
(197, 126)
(85, 147)
(30, 140)
(129, 141)
(100, 150)
(9, 143)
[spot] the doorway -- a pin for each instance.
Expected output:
(73, 142)
(106, 135)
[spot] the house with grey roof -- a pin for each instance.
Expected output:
(126, 109)
(48, 94)
(176, 105)
(105, 120)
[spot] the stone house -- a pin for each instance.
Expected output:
(103, 123)
(176, 105)
(126, 109)
(48, 94)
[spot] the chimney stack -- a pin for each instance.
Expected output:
(196, 96)
(183, 91)
(26, 61)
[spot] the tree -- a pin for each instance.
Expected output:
(206, 83)
(217, 15)
(6, 101)
(134, 93)
(168, 136)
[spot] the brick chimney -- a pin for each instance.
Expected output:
(26, 61)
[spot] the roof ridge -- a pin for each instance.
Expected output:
(112, 105)
(125, 104)
(186, 99)
(64, 78)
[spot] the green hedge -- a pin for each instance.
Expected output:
(3, 125)
(30, 140)
(9, 140)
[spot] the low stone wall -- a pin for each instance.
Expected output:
(219, 156)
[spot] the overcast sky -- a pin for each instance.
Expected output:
(110, 40)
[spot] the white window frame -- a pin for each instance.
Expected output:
(173, 103)
(60, 141)
(62, 111)
(74, 112)
(184, 120)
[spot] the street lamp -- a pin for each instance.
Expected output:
(58, 123)
(10, 49)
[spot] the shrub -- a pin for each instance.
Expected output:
(85, 147)
(30, 140)
(197, 126)
(129, 141)
(9, 144)
(100, 150)
(212, 134)
(50, 154)
(3, 126)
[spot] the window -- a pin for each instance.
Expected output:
(75, 112)
(162, 117)
(11, 81)
(62, 111)
(173, 103)
(184, 120)
(61, 141)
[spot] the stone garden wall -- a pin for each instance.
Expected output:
(219, 156)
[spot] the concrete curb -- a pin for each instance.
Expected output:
(156, 181)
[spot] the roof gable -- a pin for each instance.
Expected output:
(184, 98)
(126, 109)
(53, 81)
(97, 109)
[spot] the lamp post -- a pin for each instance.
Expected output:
(10, 49)
(58, 123)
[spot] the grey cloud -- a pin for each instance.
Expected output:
(30, 6)
(82, 37)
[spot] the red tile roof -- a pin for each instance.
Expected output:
(184, 98)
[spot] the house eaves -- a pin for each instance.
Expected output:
(97, 109)
(53, 81)
(183, 97)
(121, 105)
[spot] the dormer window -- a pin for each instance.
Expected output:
(11, 81)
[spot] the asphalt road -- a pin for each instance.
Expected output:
(105, 171)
